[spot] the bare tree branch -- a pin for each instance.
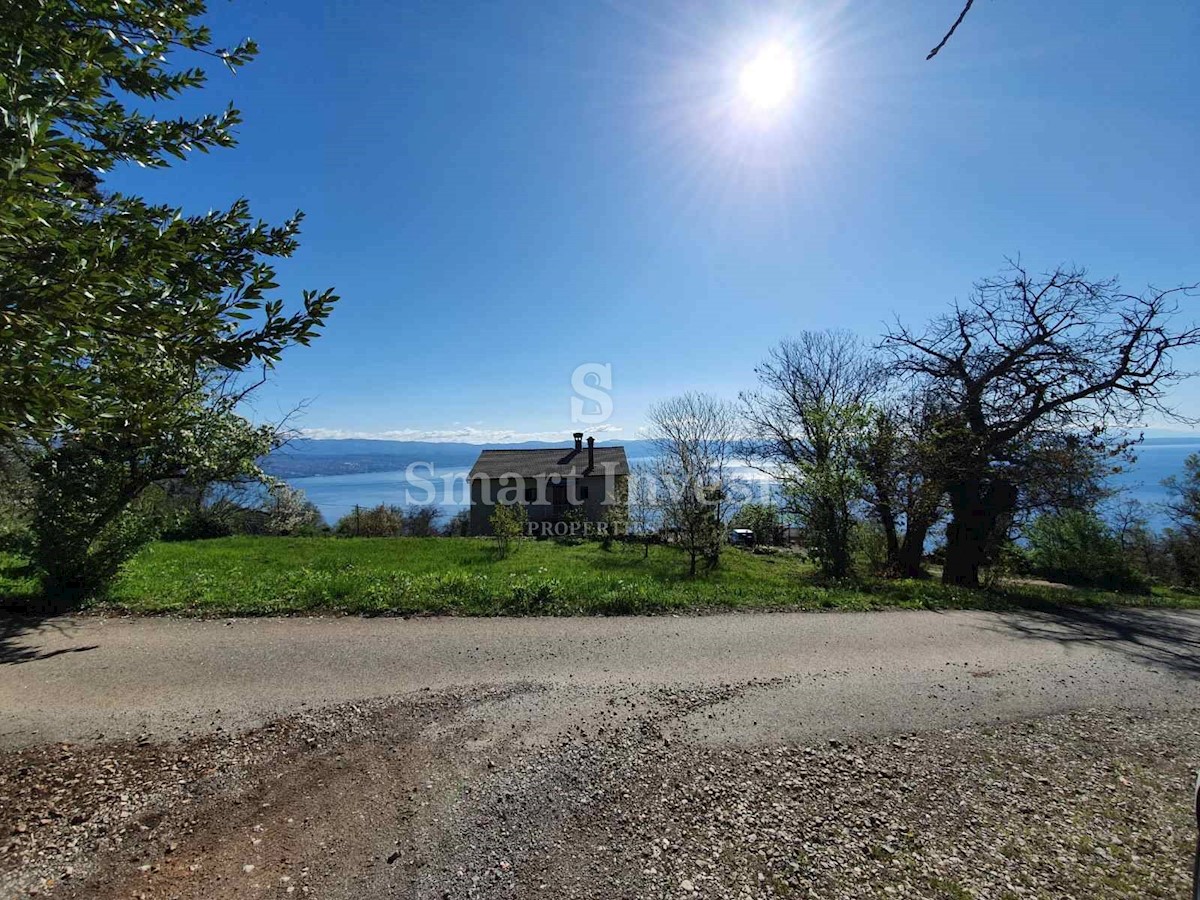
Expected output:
(953, 28)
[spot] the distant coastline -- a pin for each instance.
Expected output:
(339, 474)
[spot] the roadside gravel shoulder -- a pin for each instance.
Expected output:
(589, 792)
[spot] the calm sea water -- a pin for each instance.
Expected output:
(336, 495)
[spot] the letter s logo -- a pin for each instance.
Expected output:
(592, 403)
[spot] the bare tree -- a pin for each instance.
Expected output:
(805, 423)
(1028, 365)
(695, 436)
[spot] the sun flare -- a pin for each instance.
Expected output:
(769, 78)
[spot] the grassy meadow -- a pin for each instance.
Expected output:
(256, 576)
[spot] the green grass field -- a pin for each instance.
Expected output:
(463, 576)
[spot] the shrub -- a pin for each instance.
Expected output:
(288, 512)
(871, 541)
(198, 524)
(459, 524)
(576, 521)
(379, 521)
(508, 524)
(616, 524)
(421, 521)
(1077, 547)
(84, 528)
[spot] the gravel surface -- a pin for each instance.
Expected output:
(476, 794)
(896, 755)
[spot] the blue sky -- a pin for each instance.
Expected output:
(502, 192)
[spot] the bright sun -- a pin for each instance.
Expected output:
(769, 78)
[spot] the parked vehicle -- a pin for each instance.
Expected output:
(741, 537)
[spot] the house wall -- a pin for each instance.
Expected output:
(484, 498)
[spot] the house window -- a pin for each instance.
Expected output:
(531, 495)
(583, 492)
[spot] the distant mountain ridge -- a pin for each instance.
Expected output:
(351, 456)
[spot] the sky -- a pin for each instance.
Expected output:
(504, 192)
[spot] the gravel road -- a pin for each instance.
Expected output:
(931, 755)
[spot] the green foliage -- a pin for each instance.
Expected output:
(821, 495)
(1079, 548)
(576, 521)
(379, 521)
(279, 576)
(762, 519)
(808, 420)
(85, 522)
(95, 284)
(1182, 541)
(125, 323)
(615, 521)
(16, 501)
(459, 524)
(508, 524)
(870, 540)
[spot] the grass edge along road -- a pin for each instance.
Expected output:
(255, 576)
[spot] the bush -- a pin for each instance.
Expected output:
(379, 521)
(198, 524)
(421, 521)
(459, 524)
(1078, 548)
(288, 512)
(84, 529)
(508, 524)
(871, 541)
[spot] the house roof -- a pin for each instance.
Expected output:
(565, 463)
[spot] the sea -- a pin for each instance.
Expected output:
(337, 495)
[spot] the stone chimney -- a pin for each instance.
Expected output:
(591, 453)
(579, 440)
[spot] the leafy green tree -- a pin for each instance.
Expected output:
(85, 524)
(1182, 539)
(124, 325)
(1078, 547)
(16, 499)
(903, 479)
(93, 282)
(807, 420)
(508, 524)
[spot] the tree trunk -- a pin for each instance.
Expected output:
(912, 551)
(977, 507)
(887, 518)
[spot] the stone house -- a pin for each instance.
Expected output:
(554, 485)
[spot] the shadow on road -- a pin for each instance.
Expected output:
(17, 647)
(1160, 639)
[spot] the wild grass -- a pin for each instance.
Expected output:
(254, 576)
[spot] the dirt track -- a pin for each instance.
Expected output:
(806, 755)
